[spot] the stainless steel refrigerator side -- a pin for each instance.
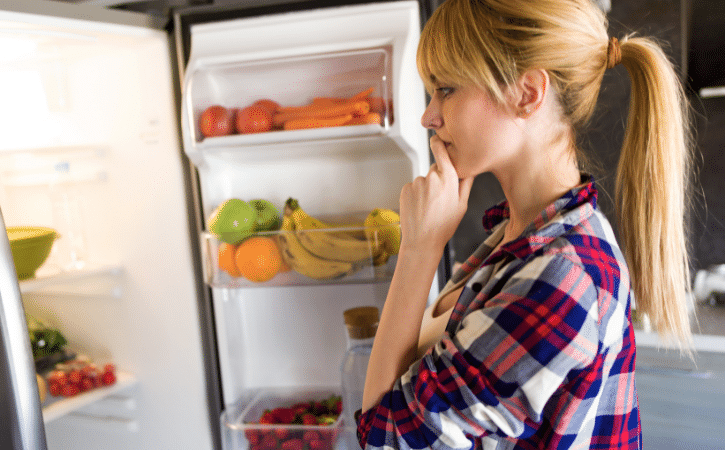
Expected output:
(22, 426)
(214, 395)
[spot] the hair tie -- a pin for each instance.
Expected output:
(614, 53)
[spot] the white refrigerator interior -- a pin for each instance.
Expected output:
(289, 332)
(280, 335)
(90, 148)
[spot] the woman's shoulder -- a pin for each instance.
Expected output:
(588, 245)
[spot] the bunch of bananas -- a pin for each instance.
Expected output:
(326, 251)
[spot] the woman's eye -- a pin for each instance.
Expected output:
(445, 91)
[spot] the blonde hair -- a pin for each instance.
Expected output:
(490, 43)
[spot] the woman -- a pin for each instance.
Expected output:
(536, 347)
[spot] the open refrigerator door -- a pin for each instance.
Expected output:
(90, 128)
(286, 333)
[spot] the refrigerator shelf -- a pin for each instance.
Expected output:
(57, 407)
(54, 277)
(359, 254)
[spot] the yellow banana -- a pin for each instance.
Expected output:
(327, 241)
(306, 263)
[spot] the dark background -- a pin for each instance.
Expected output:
(693, 35)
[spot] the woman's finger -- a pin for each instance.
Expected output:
(442, 160)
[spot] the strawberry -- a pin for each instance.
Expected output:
(284, 415)
(318, 408)
(292, 444)
(269, 441)
(267, 418)
(310, 435)
(316, 444)
(309, 419)
(281, 433)
(252, 436)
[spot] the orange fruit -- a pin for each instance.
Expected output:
(258, 258)
(227, 261)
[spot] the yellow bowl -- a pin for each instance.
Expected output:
(30, 247)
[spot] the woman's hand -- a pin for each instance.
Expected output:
(431, 207)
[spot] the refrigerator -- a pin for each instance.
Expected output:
(102, 141)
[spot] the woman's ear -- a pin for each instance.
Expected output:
(532, 88)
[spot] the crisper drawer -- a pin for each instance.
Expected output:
(682, 403)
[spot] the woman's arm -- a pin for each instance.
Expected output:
(431, 208)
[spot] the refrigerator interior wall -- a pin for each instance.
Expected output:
(89, 129)
(285, 336)
(277, 336)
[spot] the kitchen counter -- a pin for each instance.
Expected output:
(708, 327)
(709, 320)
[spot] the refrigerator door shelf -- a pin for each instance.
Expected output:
(359, 261)
(241, 141)
(291, 82)
(293, 59)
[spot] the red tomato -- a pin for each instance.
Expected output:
(75, 377)
(55, 389)
(216, 121)
(86, 385)
(271, 105)
(58, 377)
(108, 378)
(69, 390)
(253, 119)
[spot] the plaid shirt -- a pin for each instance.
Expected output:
(538, 355)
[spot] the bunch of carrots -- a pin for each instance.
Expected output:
(268, 115)
(359, 109)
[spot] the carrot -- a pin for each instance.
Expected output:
(377, 104)
(327, 101)
(358, 108)
(316, 122)
(363, 94)
(371, 117)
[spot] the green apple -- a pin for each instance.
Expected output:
(232, 221)
(267, 215)
(386, 224)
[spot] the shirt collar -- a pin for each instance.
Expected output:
(551, 222)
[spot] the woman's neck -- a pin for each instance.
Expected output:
(530, 188)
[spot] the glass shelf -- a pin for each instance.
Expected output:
(53, 277)
(341, 255)
(57, 407)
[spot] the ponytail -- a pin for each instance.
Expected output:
(651, 189)
(490, 43)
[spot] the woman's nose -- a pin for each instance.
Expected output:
(431, 118)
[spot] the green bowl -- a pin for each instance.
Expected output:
(30, 247)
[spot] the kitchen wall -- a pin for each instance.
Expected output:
(665, 20)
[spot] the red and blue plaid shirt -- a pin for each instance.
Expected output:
(538, 355)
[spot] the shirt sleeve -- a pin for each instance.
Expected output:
(500, 368)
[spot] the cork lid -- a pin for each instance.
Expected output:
(363, 316)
